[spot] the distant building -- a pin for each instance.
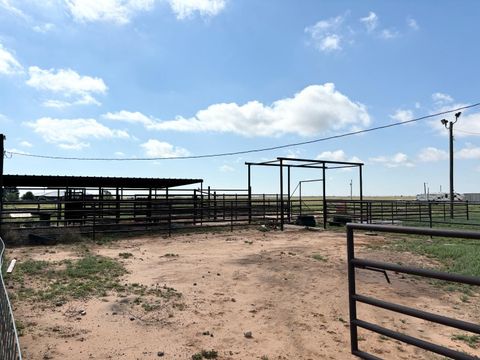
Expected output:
(474, 197)
(440, 196)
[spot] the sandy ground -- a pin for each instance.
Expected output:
(268, 283)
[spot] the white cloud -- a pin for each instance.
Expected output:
(337, 155)
(326, 34)
(412, 23)
(370, 21)
(43, 28)
(227, 168)
(402, 115)
(73, 133)
(130, 117)
(389, 34)
(469, 152)
(119, 154)
(26, 144)
(441, 98)
(7, 5)
(399, 159)
(114, 11)
(8, 64)
(161, 149)
(3, 118)
(185, 9)
(67, 83)
(432, 154)
(316, 109)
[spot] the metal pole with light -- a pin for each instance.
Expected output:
(449, 126)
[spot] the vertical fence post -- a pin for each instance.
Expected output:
(2, 155)
(231, 216)
(169, 218)
(214, 205)
(430, 213)
(223, 202)
(264, 209)
(236, 206)
(94, 221)
(392, 213)
(351, 290)
(466, 207)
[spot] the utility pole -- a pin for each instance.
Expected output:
(351, 190)
(2, 155)
(449, 126)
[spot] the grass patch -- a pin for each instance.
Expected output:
(471, 340)
(125, 255)
(319, 257)
(58, 281)
(456, 255)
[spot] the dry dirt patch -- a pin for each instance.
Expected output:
(189, 293)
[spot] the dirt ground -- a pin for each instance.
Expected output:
(289, 289)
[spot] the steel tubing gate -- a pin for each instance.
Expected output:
(353, 297)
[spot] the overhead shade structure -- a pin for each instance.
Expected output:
(94, 181)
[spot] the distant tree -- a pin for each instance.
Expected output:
(10, 193)
(28, 196)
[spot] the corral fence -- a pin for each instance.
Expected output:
(9, 344)
(94, 212)
(354, 298)
(428, 213)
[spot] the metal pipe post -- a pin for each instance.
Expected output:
(451, 169)
(288, 199)
(324, 182)
(249, 195)
(361, 193)
(281, 195)
(2, 155)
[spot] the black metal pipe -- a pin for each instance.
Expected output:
(459, 324)
(324, 199)
(462, 234)
(351, 291)
(281, 195)
(441, 350)
(433, 274)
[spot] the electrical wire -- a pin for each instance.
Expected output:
(204, 156)
(467, 132)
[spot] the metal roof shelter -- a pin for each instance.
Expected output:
(94, 182)
(323, 165)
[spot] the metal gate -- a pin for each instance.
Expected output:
(353, 297)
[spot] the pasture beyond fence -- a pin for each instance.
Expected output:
(9, 345)
(94, 214)
(354, 298)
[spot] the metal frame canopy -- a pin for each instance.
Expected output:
(94, 181)
(323, 165)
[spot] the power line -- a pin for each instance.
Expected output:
(247, 151)
(467, 132)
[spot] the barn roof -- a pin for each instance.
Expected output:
(53, 181)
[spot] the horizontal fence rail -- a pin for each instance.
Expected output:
(95, 212)
(354, 298)
(9, 344)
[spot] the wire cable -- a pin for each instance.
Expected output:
(467, 132)
(204, 156)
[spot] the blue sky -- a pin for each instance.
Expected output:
(162, 78)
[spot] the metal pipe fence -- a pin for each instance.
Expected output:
(168, 211)
(354, 298)
(9, 344)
